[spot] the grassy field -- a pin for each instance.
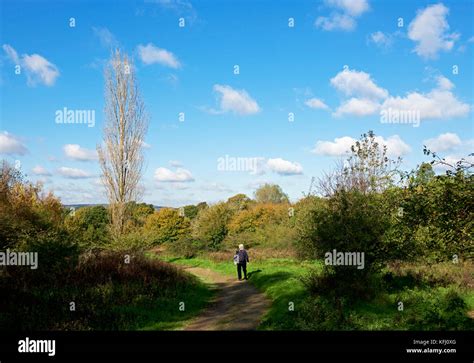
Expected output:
(427, 304)
(163, 313)
(107, 295)
(280, 279)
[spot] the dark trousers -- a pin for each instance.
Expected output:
(240, 267)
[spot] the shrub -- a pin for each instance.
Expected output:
(165, 225)
(210, 226)
(91, 225)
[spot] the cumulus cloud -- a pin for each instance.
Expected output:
(369, 99)
(357, 107)
(351, 7)
(11, 145)
(395, 145)
(167, 175)
(344, 15)
(234, 100)
(37, 68)
(73, 173)
(150, 54)
(284, 167)
(355, 83)
(439, 103)
(342, 146)
(316, 103)
(76, 152)
(443, 142)
(429, 30)
(39, 170)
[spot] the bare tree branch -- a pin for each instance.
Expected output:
(126, 124)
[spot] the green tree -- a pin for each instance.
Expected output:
(139, 212)
(239, 202)
(210, 226)
(191, 211)
(166, 225)
(90, 225)
(270, 193)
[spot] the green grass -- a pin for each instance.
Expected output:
(279, 279)
(164, 312)
(108, 295)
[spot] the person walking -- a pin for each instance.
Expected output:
(242, 258)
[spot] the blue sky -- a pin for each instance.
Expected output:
(302, 95)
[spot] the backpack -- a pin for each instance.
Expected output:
(236, 259)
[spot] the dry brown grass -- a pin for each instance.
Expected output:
(446, 273)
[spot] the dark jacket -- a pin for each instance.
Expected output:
(243, 257)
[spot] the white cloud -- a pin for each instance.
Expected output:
(452, 160)
(343, 18)
(357, 107)
(106, 38)
(11, 145)
(351, 7)
(11, 53)
(39, 170)
(439, 103)
(73, 173)
(316, 103)
(37, 68)
(167, 175)
(336, 22)
(150, 54)
(360, 84)
(429, 31)
(444, 83)
(284, 167)
(381, 39)
(40, 70)
(76, 152)
(443, 142)
(342, 146)
(395, 145)
(237, 101)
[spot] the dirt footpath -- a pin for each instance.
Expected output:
(236, 306)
